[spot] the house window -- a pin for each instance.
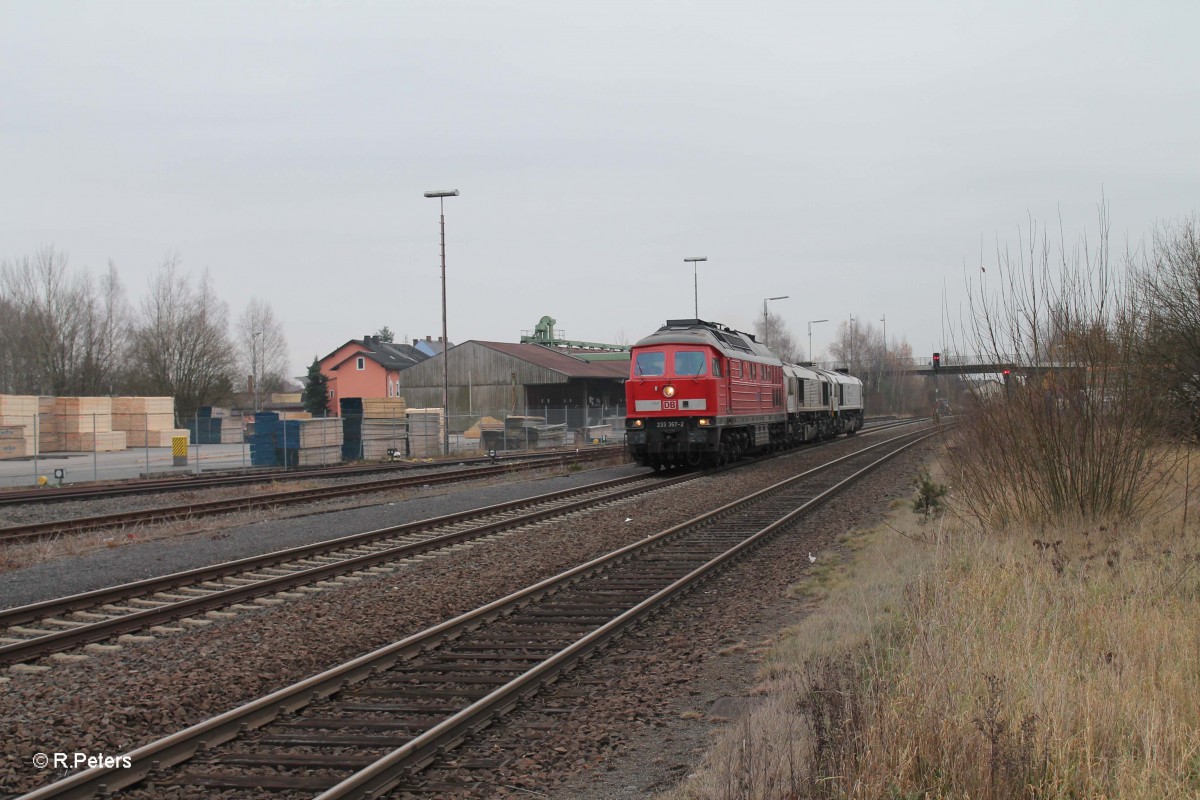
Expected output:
(362, 363)
(331, 394)
(389, 384)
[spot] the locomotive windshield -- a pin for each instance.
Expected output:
(689, 362)
(652, 364)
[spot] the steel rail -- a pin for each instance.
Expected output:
(84, 633)
(383, 775)
(258, 476)
(44, 530)
(617, 489)
(180, 746)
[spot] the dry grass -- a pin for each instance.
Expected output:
(953, 662)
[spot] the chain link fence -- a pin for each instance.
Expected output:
(57, 448)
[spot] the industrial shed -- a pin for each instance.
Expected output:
(499, 378)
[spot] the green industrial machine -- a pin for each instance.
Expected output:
(543, 334)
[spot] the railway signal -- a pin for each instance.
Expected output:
(937, 361)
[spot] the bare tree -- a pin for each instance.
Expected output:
(262, 349)
(61, 335)
(1076, 431)
(180, 343)
(779, 337)
(1168, 284)
(887, 385)
(854, 344)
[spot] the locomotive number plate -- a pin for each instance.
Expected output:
(669, 423)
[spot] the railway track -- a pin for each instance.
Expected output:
(13, 534)
(373, 723)
(39, 629)
(95, 491)
(34, 631)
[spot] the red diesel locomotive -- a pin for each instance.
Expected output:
(700, 393)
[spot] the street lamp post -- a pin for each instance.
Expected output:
(812, 322)
(441, 198)
(696, 282)
(766, 325)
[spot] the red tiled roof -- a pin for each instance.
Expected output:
(573, 366)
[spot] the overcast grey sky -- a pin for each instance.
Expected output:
(854, 156)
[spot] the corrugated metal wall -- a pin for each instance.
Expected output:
(481, 381)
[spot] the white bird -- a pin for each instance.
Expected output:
(811, 558)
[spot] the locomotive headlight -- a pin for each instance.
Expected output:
(668, 391)
(635, 423)
(704, 422)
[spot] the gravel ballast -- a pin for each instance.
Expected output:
(230, 537)
(113, 702)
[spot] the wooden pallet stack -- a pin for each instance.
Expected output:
(215, 425)
(86, 425)
(49, 436)
(384, 427)
(318, 442)
(147, 421)
(13, 443)
(295, 443)
(425, 429)
(533, 432)
(18, 414)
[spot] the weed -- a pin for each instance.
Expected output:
(928, 500)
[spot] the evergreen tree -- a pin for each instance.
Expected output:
(316, 390)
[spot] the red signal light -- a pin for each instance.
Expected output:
(937, 361)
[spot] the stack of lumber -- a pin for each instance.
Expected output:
(84, 414)
(384, 427)
(534, 432)
(521, 433)
(296, 442)
(49, 436)
(18, 413)
(425, 429)
(106, 442)
(318, 442)
(147, 421)
(285, 398)
(12, 441)
(213, 425)
(85, 425)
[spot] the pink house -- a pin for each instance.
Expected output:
(367, 367)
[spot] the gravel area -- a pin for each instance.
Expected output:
(638, 718)
(183, 546)
(28, 513)
(117, 700)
